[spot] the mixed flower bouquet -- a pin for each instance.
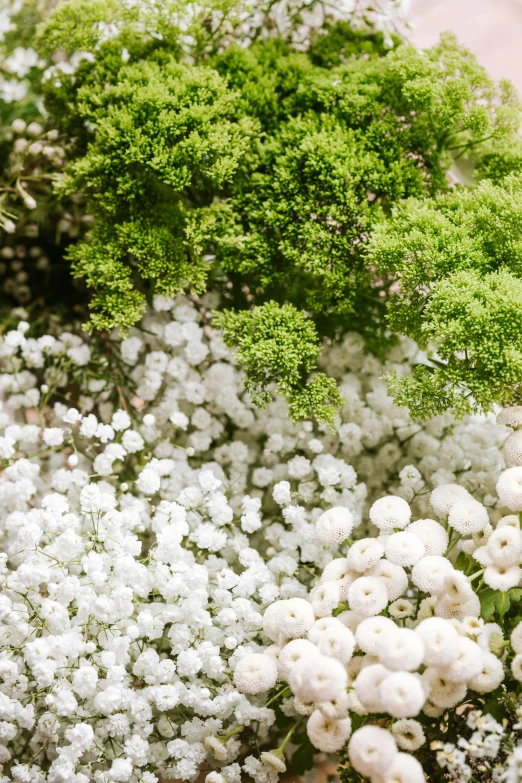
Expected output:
(260, 440)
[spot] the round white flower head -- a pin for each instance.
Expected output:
(390, 512)
(255, 673)
(434, 537)
(317, 678)
(325, 598)
(337, 642)
(327, 734)
(364, 554)
(372, 750)
(335, 708)
(510, 520)
(334, 526)
(502, 577)
(405, 769)
(516, 667)
(408, 733)
(336, 569)
(350, 619)
(393, 576)
(457, 608)
(516, 638)
(272, 620)
(302, 708)
(511, 416)
(215, 777)
(404, 652)
(468, 516)
(441, 641)
(368, 686)
(404, 549)
(428, 574)
(513, 449)
(509, 488)
(321, 625)
(402, 695)
(444, 497)
(296, 617)
(374, 633)
(505, 545)
(490, 677)
(401, 608)
(467, 664)
(443, 693)
(293, 652)
(368, 595)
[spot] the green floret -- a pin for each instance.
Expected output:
(456, 263)
(278, 345)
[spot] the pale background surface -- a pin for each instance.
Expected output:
(492, 29)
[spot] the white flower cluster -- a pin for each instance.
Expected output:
(132, 580)
(145, 531)
(483, 744)
(394, 629)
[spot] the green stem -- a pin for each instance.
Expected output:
(288, 736)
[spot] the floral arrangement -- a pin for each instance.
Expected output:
(255, 507)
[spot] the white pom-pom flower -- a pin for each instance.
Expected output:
(502, 578)
(293, 652)
(434, 537)
(490, 677)
(335, 708)
(404, 549)
(468, 516)
(467, 664)
(368, 595)
(402, 695)
(444, 497)
(505, 545)
(321, 625)
(317, 678)
(296, 617)
(328, 734)
(272, 620)
(511, 416)
(443, 693)
(325, 598)
(404, 769)
(408, 733)
(509, 488)
(428, 574)
(255, 673)
(393, 576)
(516, 638)
(334, 526)
(441, 641)
(390, 513)
(404, 651)
(337, 642)
(374, 633)
(368, 686)
(372, 750)
(513, 449)
(364, 554)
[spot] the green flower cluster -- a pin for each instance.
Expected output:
(308, 184)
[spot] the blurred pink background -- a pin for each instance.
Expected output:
(492, 29)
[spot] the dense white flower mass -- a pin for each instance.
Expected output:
(155, 543)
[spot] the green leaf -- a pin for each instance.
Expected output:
(303, 758)
(487, 602)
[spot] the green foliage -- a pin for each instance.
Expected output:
(278, 344)
(457, 263)
(162, 132)
(269, 168)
